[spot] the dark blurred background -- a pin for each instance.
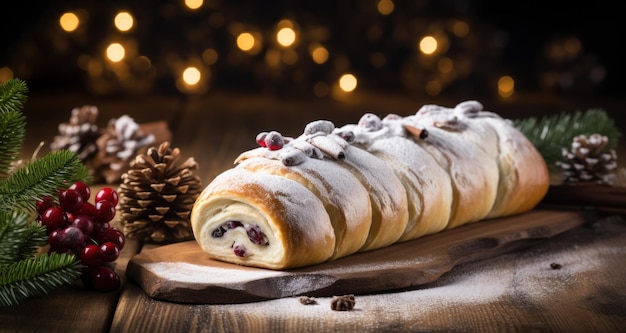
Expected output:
(551, 47)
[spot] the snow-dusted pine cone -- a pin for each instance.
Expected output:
(586, 161)
(157, 194)
(120, 142)
(79, 135)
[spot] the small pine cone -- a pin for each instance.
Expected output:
(587, 162)
(122, 139)
(157, 195)
(80, 134)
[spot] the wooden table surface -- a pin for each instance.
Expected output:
(516, 291)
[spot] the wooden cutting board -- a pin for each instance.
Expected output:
(182, 272)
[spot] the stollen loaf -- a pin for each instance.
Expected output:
(334, 191)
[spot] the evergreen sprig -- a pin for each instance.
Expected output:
(36, 276)
(12, 123)
(13, 95)
(23, 272)
(551, 133)
(41, 177)
(19, 239)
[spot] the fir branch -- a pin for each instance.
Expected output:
(19, 239)
(36, 276)
(13, 95)
(552, 133)
(41, 177)
(12, 134)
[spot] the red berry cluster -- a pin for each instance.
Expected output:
(81, 228)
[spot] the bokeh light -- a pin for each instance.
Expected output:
(245, 41)
(428, 45)
(69, 21)
(506, 86)
(115, 52)
(286, 37)
(124, 21)
(393, 46)
(194, 4)
(347, 82)
(191, 76)
(385, 7)
(319, 54)
(5, 74)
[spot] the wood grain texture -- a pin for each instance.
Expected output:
(517, 291)
(182, 272)
(602, 198)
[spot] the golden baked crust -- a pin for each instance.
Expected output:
(345, 199)
(296, 225)
(427, 184)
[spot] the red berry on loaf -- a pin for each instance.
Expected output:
(260, 138)
(239, 250)
(274, 141)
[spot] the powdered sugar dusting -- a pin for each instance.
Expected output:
(190, 273)
(522, 277)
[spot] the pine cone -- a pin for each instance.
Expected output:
(122, 140)
(80, 134)
(587, 162)
(156, 196)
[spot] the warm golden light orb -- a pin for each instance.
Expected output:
(347, 82)
(210, 56)
(124, 21)
(428, 45)
(460, 29)
(319, 54)
(191, 76)
(194, 4)
(69, 21)
(245, 41)
(5, 74)
(506, 86)
(385, 7)
(115, 52)
(286, 37)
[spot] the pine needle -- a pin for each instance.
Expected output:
(39, 178)
(12, 134)
(13, 95)
(552, 133)
(36, 276)
(19, 239)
